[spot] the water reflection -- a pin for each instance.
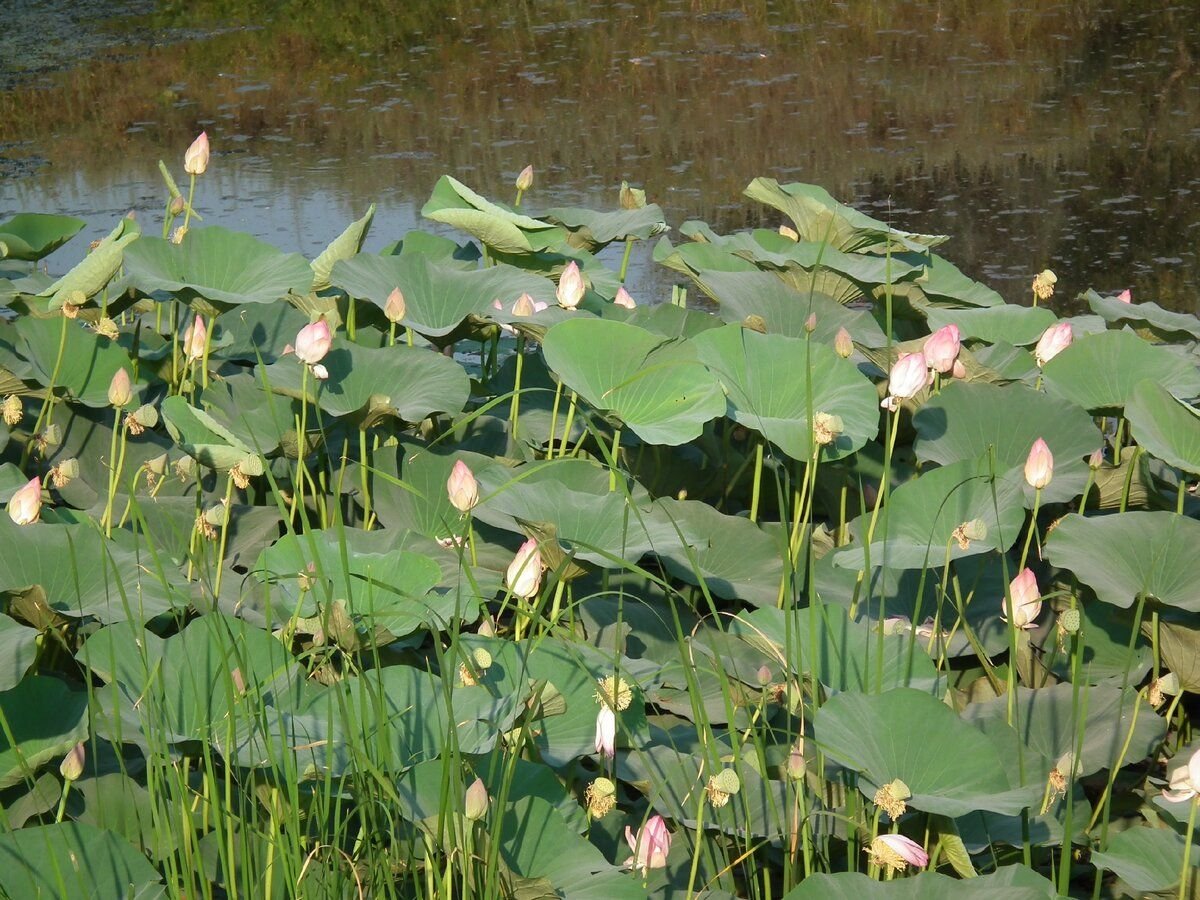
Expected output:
(1035, 133)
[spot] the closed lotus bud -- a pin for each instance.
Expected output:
(570, 287)
(523, 306)
(624, 299)
(1026, 600)
(1125, 296)
(797, 765)
(1053, 341)
(631, 197)
(525, 179)
(72, 765)
(25, 506)
(13, 410)
(1096, 460)
(524, 574)
(177, 206)
(476, 801)
(810, 324)
(313, 342)
(843, 344)
(1039, 466)
(907, 377)
(195, 160)
(462, 488)
(763, 675)
(194, 339)
(395, 307)
(120, 390)
(941, 349)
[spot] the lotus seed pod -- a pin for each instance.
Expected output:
(185, 467)
(146, 415)
(1071, 621)
(826, 428)
(728, 781)
(601, 797)
(13, 410)
(483, 659)
(158, 465)
(216, 515)
(106, 327)
(975, 530)
(251, 464)
(52, 435)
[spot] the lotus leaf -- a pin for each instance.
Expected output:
(30, 236)
(43, 718)
(344, 246)
(1147, 859)
(1018, 325)
(18, 650)
(1010, 882)
(593, 230)
(1100, 371)
(1159, 320)
(453, 203)
(1164, 426)
(88, 364)
(73, 859)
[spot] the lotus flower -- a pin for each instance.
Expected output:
(394, 308)
(941, 349)
(525, 305)
(1026, 600)
(25, 505)
(313, 342)
(120, 391)
(72, 765)
(1125, 296)
(896, 852)
(462, 488)
(843, 344)
(476, 801)
(195, 160)
(525, 179)
(606, 731)
(524, 575)
(908, 375)
(194, 339)
(1054, 340)
(570, 287)
(650, 846)
(624, 299)
(1184, 781)
(1039, 467)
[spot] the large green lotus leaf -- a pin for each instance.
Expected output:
(924, 512)
(92, 274)
(846, 656)
(409, 382)
(81, 574)
(951, 767)
(1163, 322)
(437, 297)
(1179, 644)
(699, 255)
(1123, 555)
(344, 246)
(115, 802)
(944, 284)
(1146, 859)
(592, 229)
(257, 418)
(730, 555)
(42, 718)
(1047, 723)
(455, 204)
(436, 248)
(1164, 426)
(785, 309)
(749, 366)
(1106, 657)
(18, 650)
(968, 418)
(259, 331)
(1017, 325)
(1008, 883)
(1100, 371)
(657, 387)
(30, 236)
(225, 268)
(672, 321)
(89, 361)
(200, 436)
(74, 859)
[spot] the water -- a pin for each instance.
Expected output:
(1034, 133)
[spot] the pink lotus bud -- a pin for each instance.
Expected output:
(941, 349)
(462, 488)
(843, 344)
(523, 306)
(72, 765)
(1096, 460)
(650, 846)
(763, 675)
(606, 731)
(194, 339)
(195, 160)
(1125, 296)
(624, 299)
(1039, 466)
(909, 375)
(525, 179)
(524, 575)
(1026, 600)
(959, 370)
(570, 287)
(394, 309)
(1054, 340)
(120, 390)
(313, 342)
(25, 505)
(810, 324)
(476, 801)
(895, 851)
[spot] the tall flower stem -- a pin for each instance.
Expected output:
(116, 457)
(1186, 870)
(570, 421)
(625, 259)
(47, 411)
(1037, 502)
(554, 419)
(756, 490)
(224, 538)
(514, 409)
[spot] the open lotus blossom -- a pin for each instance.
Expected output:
(312, 342)
(462, 487)
(1039, 466)
(650, 845)
(606, 731)
(525, 179)
(195, 160)
(1184, 781)
(1126, 296)
(896, 852)
(1054, 340)
(395, 308)
(941, 349)
(570, 287)
(908, 375)
(1026, 600)
(624, 299)
(194, 339)
(25, 506)
(524, 575)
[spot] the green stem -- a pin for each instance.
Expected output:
(698, 844)
(625, 259)
(224, 538)
(756, 491)
(514, 408)
(1186, 871)
(116, 458)
(47, 410)
(570, 421)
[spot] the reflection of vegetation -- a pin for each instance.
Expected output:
(931, 101)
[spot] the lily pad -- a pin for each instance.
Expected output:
(1017, 325)
(453, 203)
(1100, 371)
(73, 859)
(30, 236)
(1164, 426)
(43, 718)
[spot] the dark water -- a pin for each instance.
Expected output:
(1035, 133)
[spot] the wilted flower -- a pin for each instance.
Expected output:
(1184, 781)
(606, 731)
(941, 349)
(908, 375)
(624, 299)
(72, 765)
(631, 197)
(1125, 296)
(650, 846)
(476, 801)
(1161, 687)
(106, 327)
(525, 179)
(313, 342)
(195, 160)
(1043, 284)
(570, 286)
(462, 487)
(890, 798)
(614, 693)
(12, 409)
(601, 796)
(896, 852)
(178, 235)
(974, 530)
(1026, 600)
(120, 390)
(524, 575)
(64, 472)
(25, 505)
(1039, 466)
(1056, 781)
(394, 309)
(722, 786)
(1054, 340)
(826, 428)
(843, 344)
